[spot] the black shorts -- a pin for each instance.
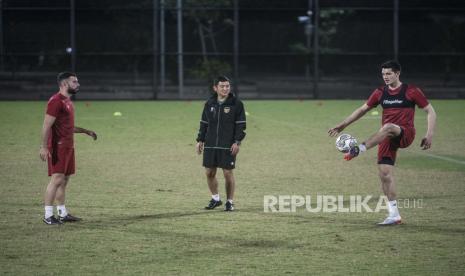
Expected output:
(218, 158)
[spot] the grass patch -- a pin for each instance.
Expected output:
(141, 190)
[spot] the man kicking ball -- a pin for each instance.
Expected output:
(398, 101)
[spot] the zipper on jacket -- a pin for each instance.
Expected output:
(218, 124)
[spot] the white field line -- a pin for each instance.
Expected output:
(444, 158)
(440, 157)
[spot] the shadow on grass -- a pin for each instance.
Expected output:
(356, 224)
(125, 220)
(123, 224)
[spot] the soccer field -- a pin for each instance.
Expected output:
(140, 189)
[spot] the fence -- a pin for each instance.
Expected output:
(151, 49)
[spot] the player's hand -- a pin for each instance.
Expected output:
(335, 130)
(92, 134)
(234, 149)
(44, 153)
(199, 147)
(426, 143)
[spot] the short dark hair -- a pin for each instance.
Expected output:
(219, 79)
(64, 75)
(392, 64)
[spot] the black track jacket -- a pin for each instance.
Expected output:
(222, 125)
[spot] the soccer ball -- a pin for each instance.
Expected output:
(345, 142)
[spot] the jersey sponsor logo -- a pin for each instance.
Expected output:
(393, 101)
(227, 109)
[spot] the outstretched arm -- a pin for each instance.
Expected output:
(431, 118)
(357, 114)
(86, 131)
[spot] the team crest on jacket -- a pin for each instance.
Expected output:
(227, 109)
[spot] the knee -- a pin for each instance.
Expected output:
(390, 129)
(210, 173)
(228, 173)
(58, 180)
(385, 175)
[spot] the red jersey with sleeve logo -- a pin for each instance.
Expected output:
(398, 104)
(62, 109)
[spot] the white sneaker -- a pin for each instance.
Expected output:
(391, 221)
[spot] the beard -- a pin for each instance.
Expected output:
(72, 91)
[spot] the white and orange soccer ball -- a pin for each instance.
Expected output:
(345, 142)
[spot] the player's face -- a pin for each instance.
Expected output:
(222, 89)
(72, 85)
(390, 77)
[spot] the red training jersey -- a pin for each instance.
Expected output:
(398, 104)
(62, 109)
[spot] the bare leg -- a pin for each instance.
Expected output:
(386, 131)
(211, 180)
(56, 181)
(61, 191)
(386, 175)
(229, 183)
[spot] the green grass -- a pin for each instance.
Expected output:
(140, 189)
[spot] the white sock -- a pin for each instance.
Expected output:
(393, 211)
(61, 209)
(230, 201)
(216, 197)
(48, 211)
(362, 147)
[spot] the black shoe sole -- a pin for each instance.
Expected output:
(211, 208)
(54, 223)
(68, 221)
(208, 208)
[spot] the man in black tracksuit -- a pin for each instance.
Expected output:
(221, 131)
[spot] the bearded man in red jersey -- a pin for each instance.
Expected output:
(58, 147)
(398, 101)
